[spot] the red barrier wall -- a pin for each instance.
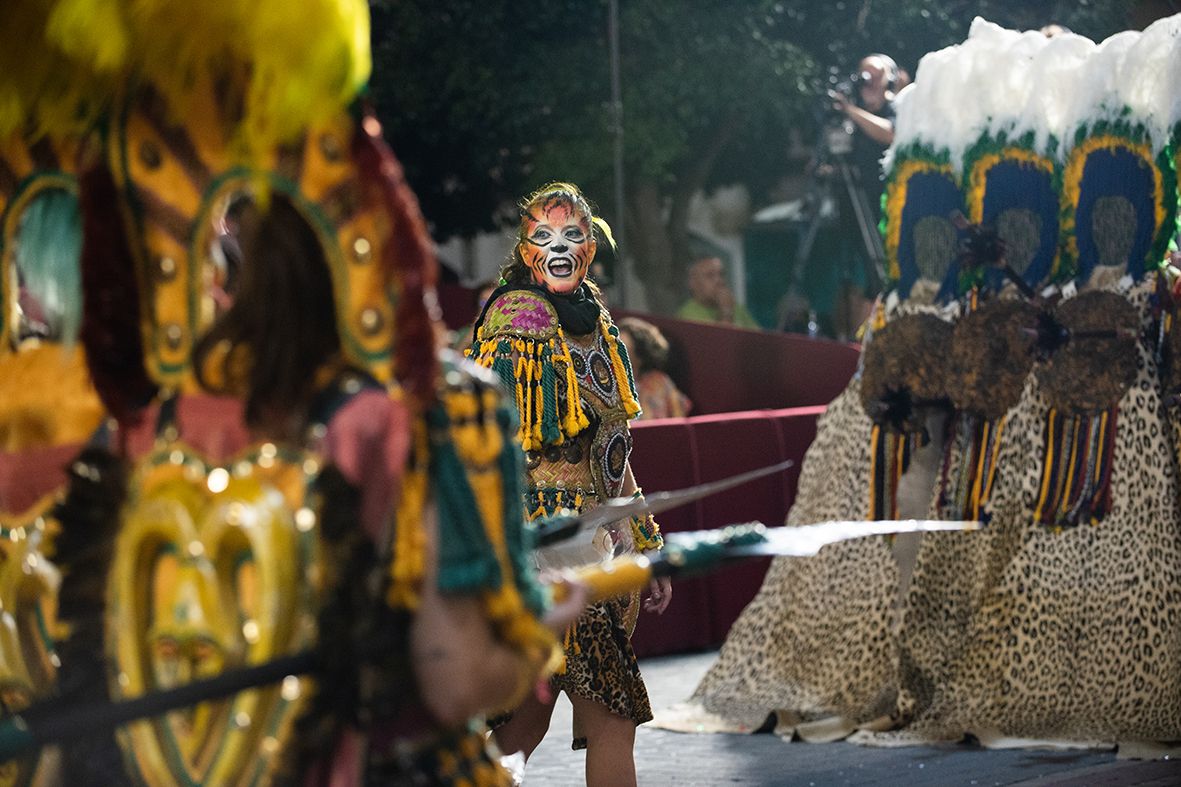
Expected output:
(725, 369)
(674, 453)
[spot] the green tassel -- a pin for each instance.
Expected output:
(47, 260)
(551, 428)
(692, 552)
(503, 366)
(519, 535)
(467, 561)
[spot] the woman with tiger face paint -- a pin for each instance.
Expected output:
(557, 244)
(548, 337)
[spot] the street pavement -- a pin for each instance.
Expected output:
(670, 758)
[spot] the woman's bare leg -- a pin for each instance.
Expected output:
(526, 728)
(610, 739)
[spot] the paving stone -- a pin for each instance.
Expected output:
(681, 760)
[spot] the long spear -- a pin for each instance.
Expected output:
(684, 553)
(553, 530)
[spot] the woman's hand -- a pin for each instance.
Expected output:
(660, 593)
(840, 102)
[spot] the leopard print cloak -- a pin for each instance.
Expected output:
(815, 642)
(1016, 632)
(1023, 632)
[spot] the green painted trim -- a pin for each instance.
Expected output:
(26, 190)
(1125, 129)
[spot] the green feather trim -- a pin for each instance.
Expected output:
(467, 561)
(1006, 147)
(1165, 164)
(894, 197)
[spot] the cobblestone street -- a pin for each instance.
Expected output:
(669, 758)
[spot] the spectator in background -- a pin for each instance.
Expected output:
(710, 297)
(648, 350)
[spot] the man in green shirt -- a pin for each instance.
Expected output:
(710, 296)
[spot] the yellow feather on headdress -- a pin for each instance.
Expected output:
(44, 88)
(93, 32)
(291, 66)
(288, 66)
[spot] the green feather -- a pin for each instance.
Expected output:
(47, 249)
(466, 560)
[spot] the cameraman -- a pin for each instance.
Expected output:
(873, 119)
(866, 111)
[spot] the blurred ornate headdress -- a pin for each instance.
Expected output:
(208, 108)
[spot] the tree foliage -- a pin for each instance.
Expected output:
(484, 101)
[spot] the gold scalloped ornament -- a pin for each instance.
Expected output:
(179, 181)
(214, 568)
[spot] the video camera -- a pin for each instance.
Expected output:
(836, 129)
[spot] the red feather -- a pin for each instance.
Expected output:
(111, 333)
(407, 260)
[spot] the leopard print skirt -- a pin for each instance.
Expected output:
(601, 665)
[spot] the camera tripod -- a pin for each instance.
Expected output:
(832, 156)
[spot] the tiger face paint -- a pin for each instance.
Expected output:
(557, 244)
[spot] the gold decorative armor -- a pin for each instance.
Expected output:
(215, 567)
(48, 408)
(179, 182)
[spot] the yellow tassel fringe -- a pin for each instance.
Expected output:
(630, 405)
(409, 558)
(528, 367)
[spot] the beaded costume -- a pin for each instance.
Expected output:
(48, 407)
(574, 395)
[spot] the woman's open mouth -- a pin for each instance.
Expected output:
(560, 268)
